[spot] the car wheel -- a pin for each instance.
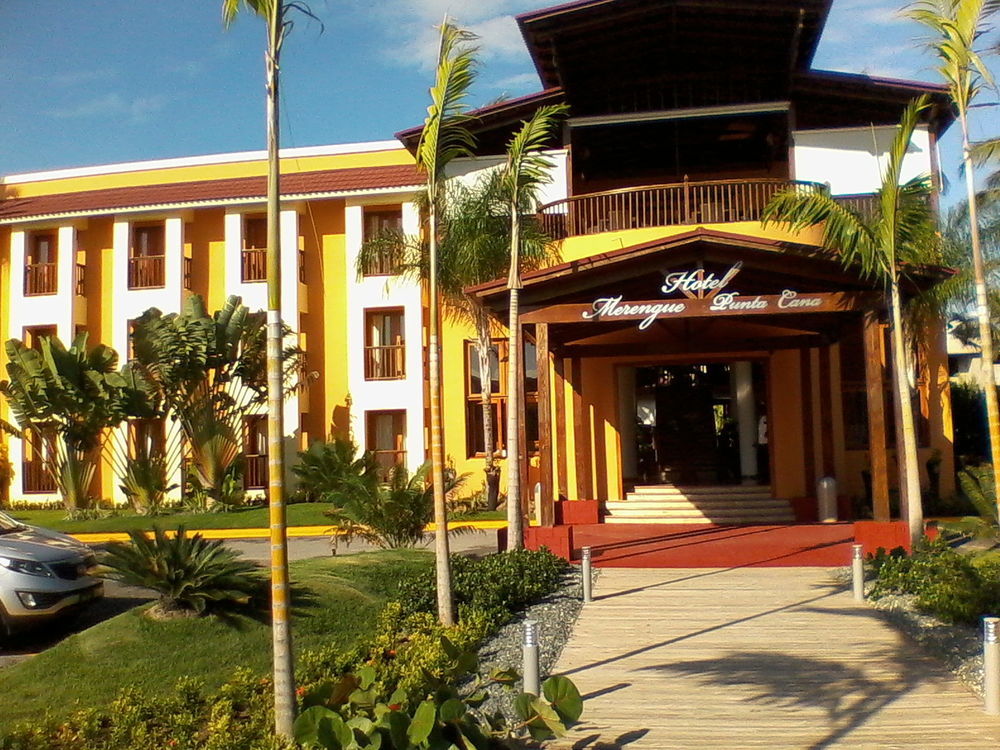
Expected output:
(5, 629)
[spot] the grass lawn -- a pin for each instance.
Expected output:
(299, 514)
(344, 594)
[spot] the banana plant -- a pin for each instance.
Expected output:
(74, 394)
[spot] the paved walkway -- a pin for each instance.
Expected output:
(755, 658)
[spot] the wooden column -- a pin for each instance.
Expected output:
(828, 460)
(808, 432)
(581, 433)
(547, 509)
(878, 458)
(562, 440)
(527, 492)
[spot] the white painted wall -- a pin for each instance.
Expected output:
(60, 310)
(377, 292)
(469, 170)
(852, 160)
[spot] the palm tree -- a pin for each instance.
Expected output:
(473, 248)
(276, 17)
(957, 26)
(525, 171)
(444, 137)
(900, 231)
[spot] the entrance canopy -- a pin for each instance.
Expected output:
(696, 292)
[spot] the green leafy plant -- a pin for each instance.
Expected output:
(74, 394)
(331, 467)
(977, 485)
(389, 514)
(190, 573)
(6, 475)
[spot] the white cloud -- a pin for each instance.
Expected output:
(517, 82)
(134, 110)
(82, 76)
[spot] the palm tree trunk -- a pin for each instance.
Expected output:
(909, 470)
(982, 311)
(281, 635)
(486, 398)
(446, 612)
(515, 525)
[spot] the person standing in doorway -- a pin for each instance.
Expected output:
(763, 460)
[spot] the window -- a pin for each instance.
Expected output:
(385, 347)
(33, 336)
(146, 263)
(36, 467)
(255, 449)
(147, 438)
(385, 433)
(474, 431)
(41, 264)
(380, 221)
(254, 257)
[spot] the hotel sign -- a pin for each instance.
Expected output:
(705, 294)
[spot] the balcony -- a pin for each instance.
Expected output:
(41, 278)
(385, 362)
(255, 477)
(253, 265)
(36, 477)
(717, 202)
(147, 272)
(80, 279)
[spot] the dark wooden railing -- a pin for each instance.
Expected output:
(387, 460)
(147, 272)
(302, 266)
(80, 279)
(865, 204)
(385, 362)
(41, 278)
(381, 264)
(37, 478)
(188, 271)
(253, 265)
(255, 477)
(664, 205)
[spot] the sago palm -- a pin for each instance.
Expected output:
(957, 27)
(444, 137)
(526, 170)
(900, 231)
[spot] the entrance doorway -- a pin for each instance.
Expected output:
(700, 424)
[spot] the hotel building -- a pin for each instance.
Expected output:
(683, 361)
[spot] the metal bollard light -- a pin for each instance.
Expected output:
(531, 678)
(858, 572)
(991, 665)
(588, 577)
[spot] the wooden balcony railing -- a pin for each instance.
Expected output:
(36, 477)
(147, 272)
(41, 278)
(385, 362)
(253, 265)
(188, 271)
(255, 477)
(381, 264)
(302, 266)
(664, 205)
(80, 280)
(387, 460)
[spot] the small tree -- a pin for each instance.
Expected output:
(901, 230)
(74, 394)
(523, 175)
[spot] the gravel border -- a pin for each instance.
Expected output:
(556, 615)
(959, 647)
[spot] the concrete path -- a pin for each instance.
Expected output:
(756, 658)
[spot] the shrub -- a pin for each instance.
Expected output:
(496, 585)
(388, 515)
(977, 486)
(945, 583)
(188, 572)
(327, 468)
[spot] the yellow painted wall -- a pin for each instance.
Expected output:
(205, 243)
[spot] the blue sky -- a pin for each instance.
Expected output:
(102, 81)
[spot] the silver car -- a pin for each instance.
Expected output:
(43, 575)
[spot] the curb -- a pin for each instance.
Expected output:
(293, 531)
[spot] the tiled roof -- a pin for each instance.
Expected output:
(305, 183)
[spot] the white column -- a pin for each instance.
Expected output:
(741, 383)
(627, 421)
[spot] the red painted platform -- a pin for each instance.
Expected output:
(711, 546)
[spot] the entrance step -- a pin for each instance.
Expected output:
(738, 504)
